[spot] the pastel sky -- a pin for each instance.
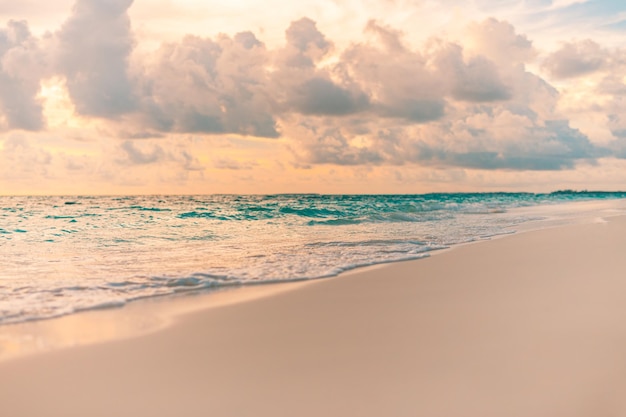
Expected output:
(329, 96)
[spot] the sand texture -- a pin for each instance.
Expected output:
(532, 325)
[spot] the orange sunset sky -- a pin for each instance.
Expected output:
(328, 96)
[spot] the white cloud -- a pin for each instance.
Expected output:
(209, 86)
(483, 96)
(21, 67)
(92, 51)
(574, 59)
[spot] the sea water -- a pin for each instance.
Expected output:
(60, 255)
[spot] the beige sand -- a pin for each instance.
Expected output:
(531, 325)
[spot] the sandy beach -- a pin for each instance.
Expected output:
(529, 325)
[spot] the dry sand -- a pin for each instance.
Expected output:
(530, 325)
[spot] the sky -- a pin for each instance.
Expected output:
(315, 96)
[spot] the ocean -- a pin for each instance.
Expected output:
(61, 255)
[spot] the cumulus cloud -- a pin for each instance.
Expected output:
(376, 102)
(397, 80)
(575, 59)
(209, 86)
(447, 105)
(499, 41)
(300, 84)
(21, 68)
(475, 79)
(552, 146)
(306, 45)
(470, 103)
(500, 140)
(321, 96)
(93, 49)
(236, 85)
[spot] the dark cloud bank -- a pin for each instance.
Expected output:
(375, 102)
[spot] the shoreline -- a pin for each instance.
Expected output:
(527, 325)
(152, 314)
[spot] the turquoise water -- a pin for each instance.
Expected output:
(60, 255)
